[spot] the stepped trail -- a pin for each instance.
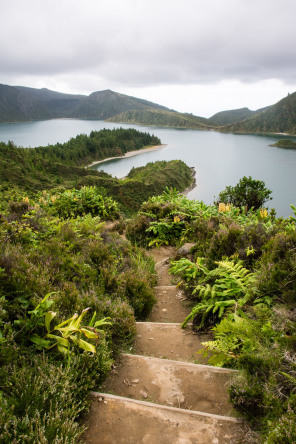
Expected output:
(160, 394)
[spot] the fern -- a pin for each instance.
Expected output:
(230, 292)
(187, 270)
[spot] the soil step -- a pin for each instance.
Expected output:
(174, 383)
(169, 341)
(119, 420)
(170, 305)
(162, 257)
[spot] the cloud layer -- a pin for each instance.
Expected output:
(147, 43)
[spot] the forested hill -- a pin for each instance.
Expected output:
(234, 115)
(31, 168)
(18, 103)
(21, 103)
(61, 166)
(159, 117)
(279, 118)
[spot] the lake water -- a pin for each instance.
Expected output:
(219, 159)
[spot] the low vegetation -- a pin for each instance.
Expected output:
(69, 295)
(240, 278)
(71, 289)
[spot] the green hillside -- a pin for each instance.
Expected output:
(19, 103)
(155, 117)
(279, 118)
(32, 170)
(103, 104)
(17, 106)
(285, 143)
(233, 116)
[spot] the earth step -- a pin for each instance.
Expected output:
(169, 306)
(174, 383)
(119, 420)
(169, 341)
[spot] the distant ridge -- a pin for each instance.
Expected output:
(20, 104)
(232, 116)
(157, 117)
(104, 104)
(278, 118)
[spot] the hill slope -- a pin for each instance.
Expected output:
(19, 103)
(278, 118)
(233, 116)
(160, 117)
(104, 104)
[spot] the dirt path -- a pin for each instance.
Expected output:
(164, 393)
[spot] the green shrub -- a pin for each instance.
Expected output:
(139, 294)
(87, 200)
(42, 400)
(247, 193)
(283, 431)
(277, 275)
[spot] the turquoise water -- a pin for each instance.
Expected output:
(219, 159)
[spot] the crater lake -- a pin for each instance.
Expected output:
(219, 159)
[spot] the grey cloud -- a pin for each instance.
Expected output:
(150, 42)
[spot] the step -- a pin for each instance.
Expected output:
(162, 257)
(170, 305)
(119, 420)
(174, 383)
(169, 341)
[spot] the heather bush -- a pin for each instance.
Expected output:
(277, 275)
(81, 266)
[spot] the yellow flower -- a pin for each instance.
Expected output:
(26, 199)
(53, 198)
(263, 212)
(222, 207)
(176, 219)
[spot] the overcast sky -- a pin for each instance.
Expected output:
(194, 56)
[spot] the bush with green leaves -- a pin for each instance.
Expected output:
(260, 346)
(249, 193)
(171, 218)
(277, 275)
(87, 200)
(86, 270)
(221, 292)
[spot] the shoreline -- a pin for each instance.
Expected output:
(193, 185)
(130, 154)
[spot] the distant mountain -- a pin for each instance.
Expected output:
(104, 104)
(58, 104)
(278, 118)
(19, 103)
(16, 105)
(159, 117)
(233, 116)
